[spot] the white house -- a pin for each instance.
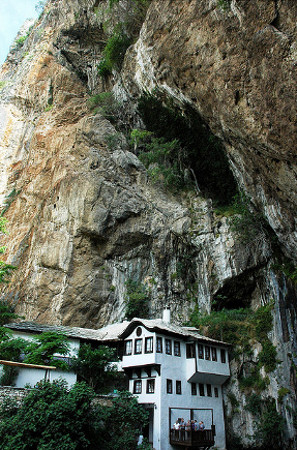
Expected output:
(175, 372)
(31, 373)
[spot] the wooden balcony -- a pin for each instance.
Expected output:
(193, 439)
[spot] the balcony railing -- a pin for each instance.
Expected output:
(191, 438)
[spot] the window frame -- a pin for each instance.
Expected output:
(146, 340)
(176, 346)
(201, 390)
(200, 351)
(159, 340)
(193, 388)
(135, 346)
(150, 382)
(168, 341)
(178, 387)
(169, 386)
(135, 384)
(190, 350)
(129, 341)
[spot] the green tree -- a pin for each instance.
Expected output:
(54, 417)
(129, 418)
(270, 427)
(43, 348)
(50, 417)
(94, 366)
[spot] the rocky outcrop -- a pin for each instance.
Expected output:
(84, 217)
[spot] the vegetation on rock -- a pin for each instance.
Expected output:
(137, 300)
(5, 269)
(114, 52)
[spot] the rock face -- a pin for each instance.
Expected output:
(84, 218)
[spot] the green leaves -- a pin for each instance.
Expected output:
(5, 269)
(42, 349)
(54, 417)
(94, 366)
(129, 418)
(51, 417)
(114, 52)
(137, 300)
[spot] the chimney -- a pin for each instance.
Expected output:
(166, 314)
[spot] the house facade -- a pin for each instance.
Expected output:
(174, 371)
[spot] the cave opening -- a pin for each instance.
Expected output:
(236, 293)
(202, 152)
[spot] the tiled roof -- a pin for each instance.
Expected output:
(116, 331)
(108, 333)
(170, 328)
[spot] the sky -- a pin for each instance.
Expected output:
(13, 14)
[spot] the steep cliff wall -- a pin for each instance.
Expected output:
(85, 217)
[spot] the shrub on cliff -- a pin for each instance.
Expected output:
(114, 52)
(5, 269)
(137, 300)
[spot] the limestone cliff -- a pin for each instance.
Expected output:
(85, 217)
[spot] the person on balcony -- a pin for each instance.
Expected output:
(201, 425)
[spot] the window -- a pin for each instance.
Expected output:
(193, 388)
(207, 352)
(176, 348)
(213, 353)
(178, 387)
(201, 389)
(139, 331)
(150, 386)
(216, 392)
(190, 350)
(159, 346)
(169, 386)
(208, 389)
(149, 345)
(137, 387)
(223, 356)
(128, 347)
(168, 348)
(200, 351)
(138, 346)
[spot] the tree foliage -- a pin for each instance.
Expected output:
(137, 300)
(114, 52)
(270, 427)
(54, 417)
(94, 366)
(129, 418)
(43, 348)
(50, 417)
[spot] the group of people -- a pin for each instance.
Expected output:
(193, 425)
